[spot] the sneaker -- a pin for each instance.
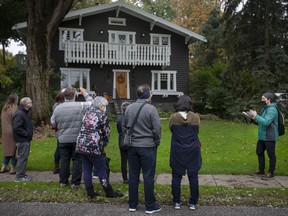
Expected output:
(132, 209)
(192, 206)
(63, 184)
(155, 208)
(23, 179)
(74, 186)
(177, 205)
(269, 176)
(257, 173)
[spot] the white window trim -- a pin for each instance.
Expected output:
(71, 31)
(160, 40)
(114, 82)
(169, 91)
(117, 21)
(81, 70)
(110, 32)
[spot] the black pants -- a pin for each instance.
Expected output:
(260, 149)
(124, 160)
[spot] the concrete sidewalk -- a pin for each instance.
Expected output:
(164, 178)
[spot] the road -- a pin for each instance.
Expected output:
(89, 209)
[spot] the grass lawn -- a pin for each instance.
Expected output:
(228, 148)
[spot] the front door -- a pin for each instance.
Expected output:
(121, 85)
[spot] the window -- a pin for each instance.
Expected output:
(66, 34)
(161, 39)
(164, 80)
(121, 37)
(75, 77)
(117, 21)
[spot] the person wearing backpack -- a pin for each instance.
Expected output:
(267, 134)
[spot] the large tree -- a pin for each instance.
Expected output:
(11, 12)
(43, 19)
(256, 43)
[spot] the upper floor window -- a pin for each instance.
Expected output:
(75, 77)
(164, 81)
(117, 21)
(121, 37)
(69, 34)
(161, 39)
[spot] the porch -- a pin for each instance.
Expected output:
(91, 52)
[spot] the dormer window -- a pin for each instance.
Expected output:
(66, 34)
(117, 21)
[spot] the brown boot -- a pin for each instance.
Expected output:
(4, 169)
(12, 170)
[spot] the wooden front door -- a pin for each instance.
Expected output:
(121, 85)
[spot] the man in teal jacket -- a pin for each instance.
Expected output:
(267, 134)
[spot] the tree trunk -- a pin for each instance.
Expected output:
(37, 78)
(43, 19)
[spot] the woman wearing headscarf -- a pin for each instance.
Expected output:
(91, 142)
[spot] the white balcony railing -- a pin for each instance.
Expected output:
(122, 54)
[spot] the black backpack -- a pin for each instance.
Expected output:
(281, 123)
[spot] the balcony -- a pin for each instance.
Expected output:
(90, 52)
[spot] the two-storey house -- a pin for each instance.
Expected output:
(115, 47)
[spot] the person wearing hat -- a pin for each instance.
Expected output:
(267, 134)
(146, 136)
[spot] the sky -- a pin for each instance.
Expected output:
(14, 48)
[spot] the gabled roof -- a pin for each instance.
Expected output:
(132, 10)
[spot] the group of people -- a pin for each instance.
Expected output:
(17, 133)
(83, 130)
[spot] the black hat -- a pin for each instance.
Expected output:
(269, 95)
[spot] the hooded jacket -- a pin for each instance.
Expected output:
(185, 151)
(268, 123)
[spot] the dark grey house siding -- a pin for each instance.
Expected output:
(103, 76)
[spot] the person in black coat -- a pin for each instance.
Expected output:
(123, 152)
(185, 154)
(22, 134)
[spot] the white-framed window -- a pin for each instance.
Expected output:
(75, 77)
(117, 21)
(122, 37)
(161, 39)
(71, 34)
(163, 80)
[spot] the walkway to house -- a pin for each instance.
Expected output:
(164, 178)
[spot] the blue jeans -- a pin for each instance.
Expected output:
(99, 164)
(145, 159)
(193, 183)
(23, 153)
(7, 159)
(67, 152)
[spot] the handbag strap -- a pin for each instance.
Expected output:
(137, 115)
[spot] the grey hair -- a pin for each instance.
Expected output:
(99, 101)
(24, 101)
(124, 106)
